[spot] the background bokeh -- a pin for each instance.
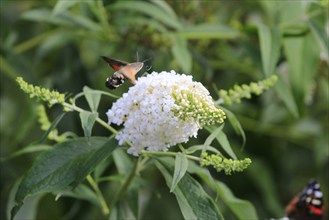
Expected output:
(58, 44)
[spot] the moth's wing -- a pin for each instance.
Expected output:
(131, 70)
(129, 73)
(115, 64)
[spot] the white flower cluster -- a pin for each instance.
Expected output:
(156, 112)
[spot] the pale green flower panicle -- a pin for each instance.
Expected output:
(220, 163)
(51, 97)
(245, 91)
(162, 110)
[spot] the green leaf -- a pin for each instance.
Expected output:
(53, 126)
(181, 164)
(181, 54)
(236, 125)
(7, 69)
(165, 7)
(292, 16)
(83, 22)
(195, 148)
(56, 40)
(206, 31)
(270, 42)
(63, 167)
(121, 211)
(290, 12)
(28, 210)
(93, 98)
(284, 92)
(193, 201)
(140, 21)
(64, 19)
(297, 29)
(26, 150)
(87, 121)
(241, 208)
(303, 57)
(122, 161)
(34, 41)
(222, 139)
(320, 36)
(148, 9)
(63, 5)
(84, 193)
(45, 15)
(101, 168)
(211, 137)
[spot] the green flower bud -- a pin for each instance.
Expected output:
(51, 97)
(223, 164)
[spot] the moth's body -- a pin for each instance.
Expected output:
(124, 70)
(115, 80)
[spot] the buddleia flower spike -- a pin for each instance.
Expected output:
(162, 110)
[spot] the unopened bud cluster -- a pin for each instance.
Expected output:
(195, 102)
(223, 164)
(51, 97)
(245, 91)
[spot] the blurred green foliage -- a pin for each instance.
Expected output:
(58, 44)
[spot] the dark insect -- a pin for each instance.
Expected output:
(308, 205)
(124, 70)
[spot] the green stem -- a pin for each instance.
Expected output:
(142, 164)
(182, 148)
(105, 208)
(125, 185)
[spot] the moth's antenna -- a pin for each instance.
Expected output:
(148, 68)
(147, 59)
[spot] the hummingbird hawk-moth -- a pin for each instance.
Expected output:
(124, 70)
